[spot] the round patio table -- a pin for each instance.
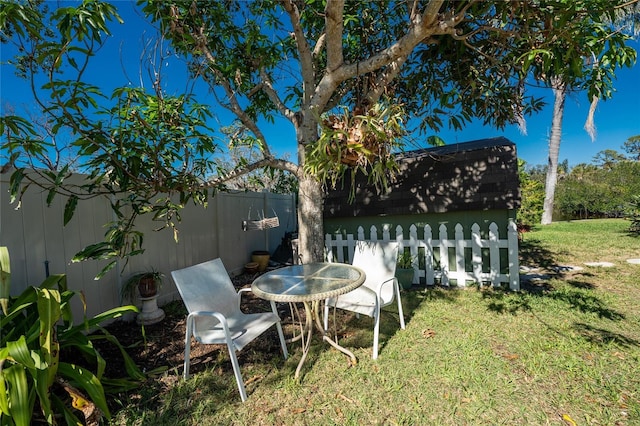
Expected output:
(309, 284)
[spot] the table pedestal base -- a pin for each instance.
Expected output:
(312, 316)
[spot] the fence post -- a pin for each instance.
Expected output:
(444, 255)
(328, 250)
(373, 233)
(460, 273)
(494, 254)
(386, 233)
(476, 253)
(413, 244)
(514, 262)
(400, 238)
(428, 256)
(339, 245)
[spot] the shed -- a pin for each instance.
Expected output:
(477, 178)
(463, 184)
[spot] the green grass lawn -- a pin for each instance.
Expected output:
(561, 351)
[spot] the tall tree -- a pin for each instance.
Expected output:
(632, 147)
(343, 74)
(587, 66)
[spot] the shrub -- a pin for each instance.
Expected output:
(37, 332)
(632, 213)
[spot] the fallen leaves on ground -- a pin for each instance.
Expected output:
(428, 333)
(568, 420)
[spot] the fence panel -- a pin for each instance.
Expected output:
(445, 259)
(39, 244)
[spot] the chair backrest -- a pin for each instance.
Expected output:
(378, 260)
(207, 287)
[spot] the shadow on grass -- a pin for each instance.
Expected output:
(586, 303)
(576, 295)
(504, 303)
(357, 332)
(604, 337)
(532, 252)
(572, 291)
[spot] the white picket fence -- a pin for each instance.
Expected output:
(432, 263)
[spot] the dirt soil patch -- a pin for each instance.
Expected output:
(161, 346)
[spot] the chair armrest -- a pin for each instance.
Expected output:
(218, 315)
(242, 290)
(223, 321)
(248, 290)
(245, 290)
(378, 288)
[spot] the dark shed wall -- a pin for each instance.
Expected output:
(473, 176)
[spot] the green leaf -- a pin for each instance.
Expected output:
(4, 402)
(50, 196)
(20, 353)
(14, 183)
(114, 313)
(102, 250)
(55, 281)
(87, 381)
(130, 366)
(70, 208)
(21, 399)
(69, 416)
(109, 267)
(5, 279)
(49, 312)
(42, 387)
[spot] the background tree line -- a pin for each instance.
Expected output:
(608, 187)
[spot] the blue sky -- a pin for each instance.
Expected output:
(616, 119)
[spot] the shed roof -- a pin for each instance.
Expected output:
(476, 175)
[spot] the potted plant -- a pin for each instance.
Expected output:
(404, 269)
(363, 139)
(146, 286)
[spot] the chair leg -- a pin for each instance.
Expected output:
(283, 342)
(187, 347)
(236, 372)
(397, 287)
(376, 330)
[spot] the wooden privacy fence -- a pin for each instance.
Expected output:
(445, 260)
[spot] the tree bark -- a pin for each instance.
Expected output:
(310, 195)
(310, 220)
(560, 95)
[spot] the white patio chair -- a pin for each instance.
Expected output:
(378, 260)
(215, 316)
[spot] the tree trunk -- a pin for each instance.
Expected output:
(560, 95)
(310, 197)
(310, 220)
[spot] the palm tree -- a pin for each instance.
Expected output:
(582, 69)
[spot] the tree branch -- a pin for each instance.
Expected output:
(319, 44)
(233, 105)
(334, 27)
(267, 86)
(423, 26)
(384, 79)
(265, 162)
(304, 51)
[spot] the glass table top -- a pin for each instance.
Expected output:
(303, 283)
